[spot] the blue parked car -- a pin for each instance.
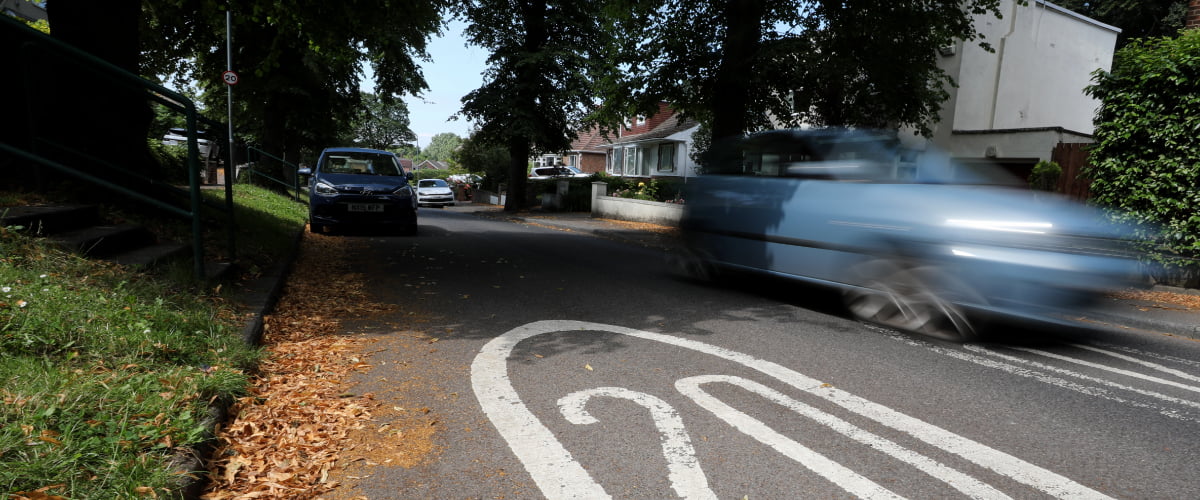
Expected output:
(366, 188)
(917, 243)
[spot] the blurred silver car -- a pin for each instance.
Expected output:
(924, 246)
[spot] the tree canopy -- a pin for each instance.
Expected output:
(383, 123)
(1146, 160)
(545, 56)
(299, 61)
(1136, 18)
(744, 65)
(443, 147)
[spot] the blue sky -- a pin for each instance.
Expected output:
(454, 71)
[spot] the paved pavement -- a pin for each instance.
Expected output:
(1125, 314)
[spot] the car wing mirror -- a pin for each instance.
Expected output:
(304, 171)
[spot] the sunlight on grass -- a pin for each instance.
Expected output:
(107, 374)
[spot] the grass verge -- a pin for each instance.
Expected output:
(107, 373)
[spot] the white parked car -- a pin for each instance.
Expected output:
(434, 193)
(559, 172)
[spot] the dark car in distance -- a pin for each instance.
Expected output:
(364, 188)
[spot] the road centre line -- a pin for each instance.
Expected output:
(559, 476)
(834, 472)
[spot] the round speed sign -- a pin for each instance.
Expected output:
(230, 77)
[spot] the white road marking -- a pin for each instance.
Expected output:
(1089, 378)
(558, 475)
(1155, 366)
(1107, 368)
(1012, 369)
(683, 468)
(834, 472)
(1150, 354)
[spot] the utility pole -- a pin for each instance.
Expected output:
(231, 169)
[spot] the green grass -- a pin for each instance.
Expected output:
(106, 374)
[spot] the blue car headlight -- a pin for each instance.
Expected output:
(404, 191)
(324, 189)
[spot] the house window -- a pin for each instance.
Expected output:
(631, 161)
(666, 157)
(641, 120)
(618, 161)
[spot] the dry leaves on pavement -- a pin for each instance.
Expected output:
(288, 433)
(1161, 298)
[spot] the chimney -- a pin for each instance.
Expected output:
(1193, 15)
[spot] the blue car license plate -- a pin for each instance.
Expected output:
(365, 207)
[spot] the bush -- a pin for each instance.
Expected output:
(1045, 176)
(661, 190)
(1146, 160)
(171, 158)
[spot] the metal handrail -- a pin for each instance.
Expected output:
(295, 185)
(162, 95)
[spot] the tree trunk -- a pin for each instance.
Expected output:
(90, 111)
(743, 36)
(518, 151)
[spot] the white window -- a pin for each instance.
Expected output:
(666, 157)
(641, 120)
(618, 161)
(645, 158)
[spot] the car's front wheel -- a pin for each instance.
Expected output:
(920, 299)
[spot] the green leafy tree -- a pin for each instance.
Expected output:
(384, 123)
(299, 61)
(836, 63)
(545, 56)
(1136, 18)
(410, 151)
(490, 160)
(443, 147)
(1146, 160)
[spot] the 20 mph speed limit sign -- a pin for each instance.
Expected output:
(230, 77)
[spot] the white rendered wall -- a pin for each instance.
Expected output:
(1043, 58)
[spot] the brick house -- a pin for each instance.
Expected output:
(588, 152)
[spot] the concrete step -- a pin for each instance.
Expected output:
(105, 240)
(49, 219)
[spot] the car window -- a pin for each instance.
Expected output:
(362, 163)
(426, 183)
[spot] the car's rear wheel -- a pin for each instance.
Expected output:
(692, 265)
(920, 299)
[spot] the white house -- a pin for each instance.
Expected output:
(658, 145)
(1017, 104)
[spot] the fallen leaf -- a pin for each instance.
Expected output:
(589, 367)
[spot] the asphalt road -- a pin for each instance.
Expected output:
(564, 365)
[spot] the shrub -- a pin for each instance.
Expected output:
(1146, 160)
(1045, 176)
(660, 190)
